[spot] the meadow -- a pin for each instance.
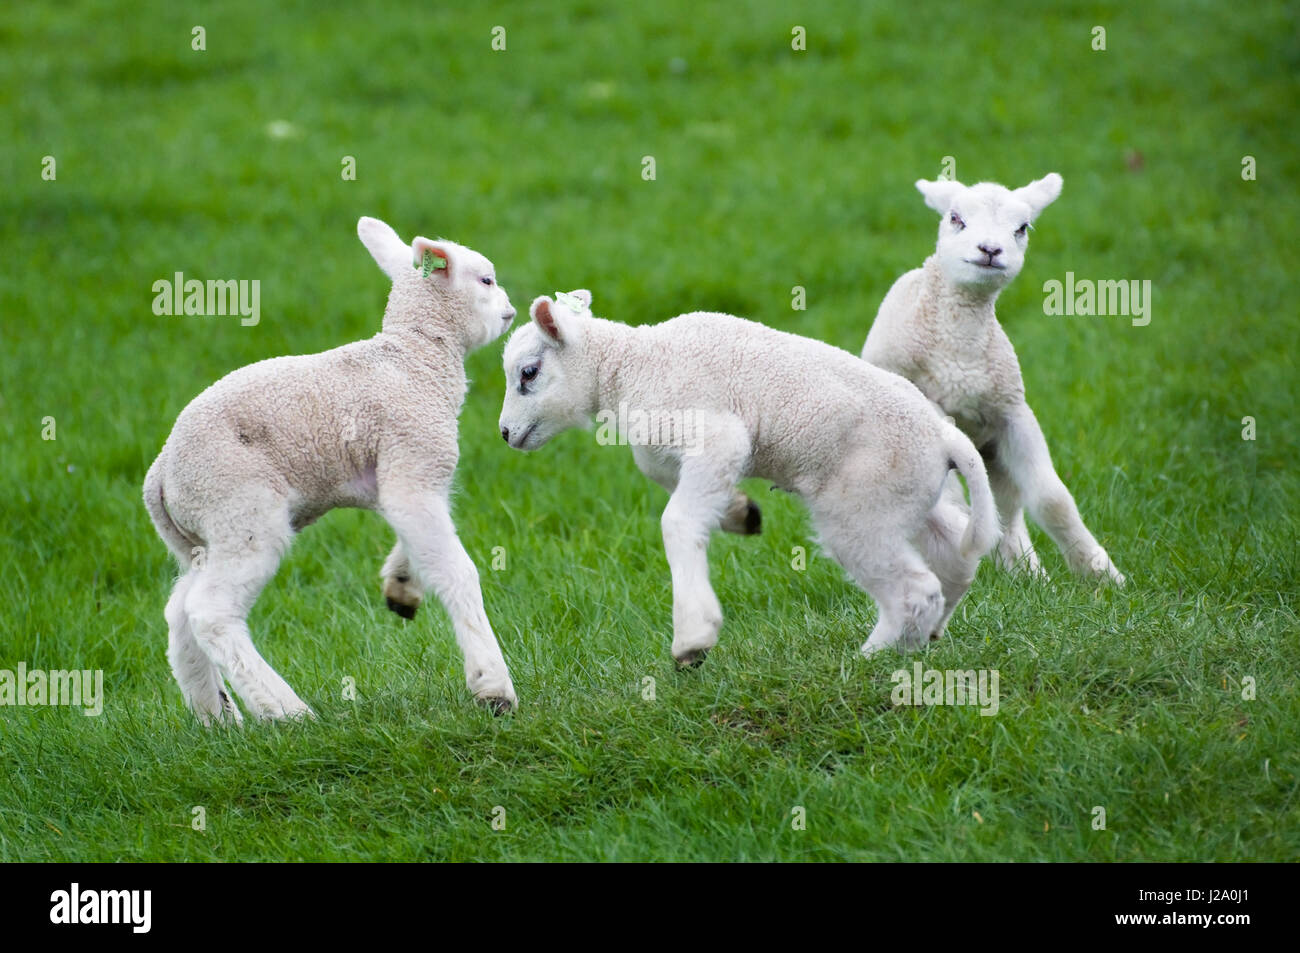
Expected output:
(1173, 704)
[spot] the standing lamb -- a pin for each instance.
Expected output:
(726, 399)
(936, 327)
(273, 446)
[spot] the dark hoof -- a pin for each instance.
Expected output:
(753, 519)
(498, 706)
(693, 659)
(401, 608)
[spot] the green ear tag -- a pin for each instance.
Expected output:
(570, 302)
(431, 264)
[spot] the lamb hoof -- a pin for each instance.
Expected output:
(497, 705)
(401, 608)
(743, 517)
(290, 713)
(1102, 568)
(693, 659)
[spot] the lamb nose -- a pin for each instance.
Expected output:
(505, 434)
(991, 250)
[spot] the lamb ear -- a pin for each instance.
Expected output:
(583, 295)
(429, 257)
(1040, 193)
(546, 319)
(939, 193)
(388, 251)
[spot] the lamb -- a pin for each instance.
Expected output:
(273, 446)
(862, 447)
(937, 328)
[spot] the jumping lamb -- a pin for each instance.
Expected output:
(716, 399)
(937, 328)
(273, 446)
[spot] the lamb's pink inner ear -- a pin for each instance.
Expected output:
(545, 320)
(422, 245)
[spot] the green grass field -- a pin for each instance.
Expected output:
(774, 168)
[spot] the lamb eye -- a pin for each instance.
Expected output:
(487, 280)
(529, 372)
(956, 220)
(1023, 230)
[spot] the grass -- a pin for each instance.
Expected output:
(774, 168)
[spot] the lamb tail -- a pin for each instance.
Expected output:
(983, 530)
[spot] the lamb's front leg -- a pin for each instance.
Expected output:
(743, 516)
(1023, 452)
(401, 591)
(1015, 550)
(702, 498)
(663, 465)
(687, 521)
(437, 558)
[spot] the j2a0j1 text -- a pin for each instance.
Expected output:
(1227, 896)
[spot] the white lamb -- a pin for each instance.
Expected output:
(862, 447)
(273, 446)
(937, 328)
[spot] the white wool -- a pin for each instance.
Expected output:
(273, 446)
(937, 328)
(862, 447)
